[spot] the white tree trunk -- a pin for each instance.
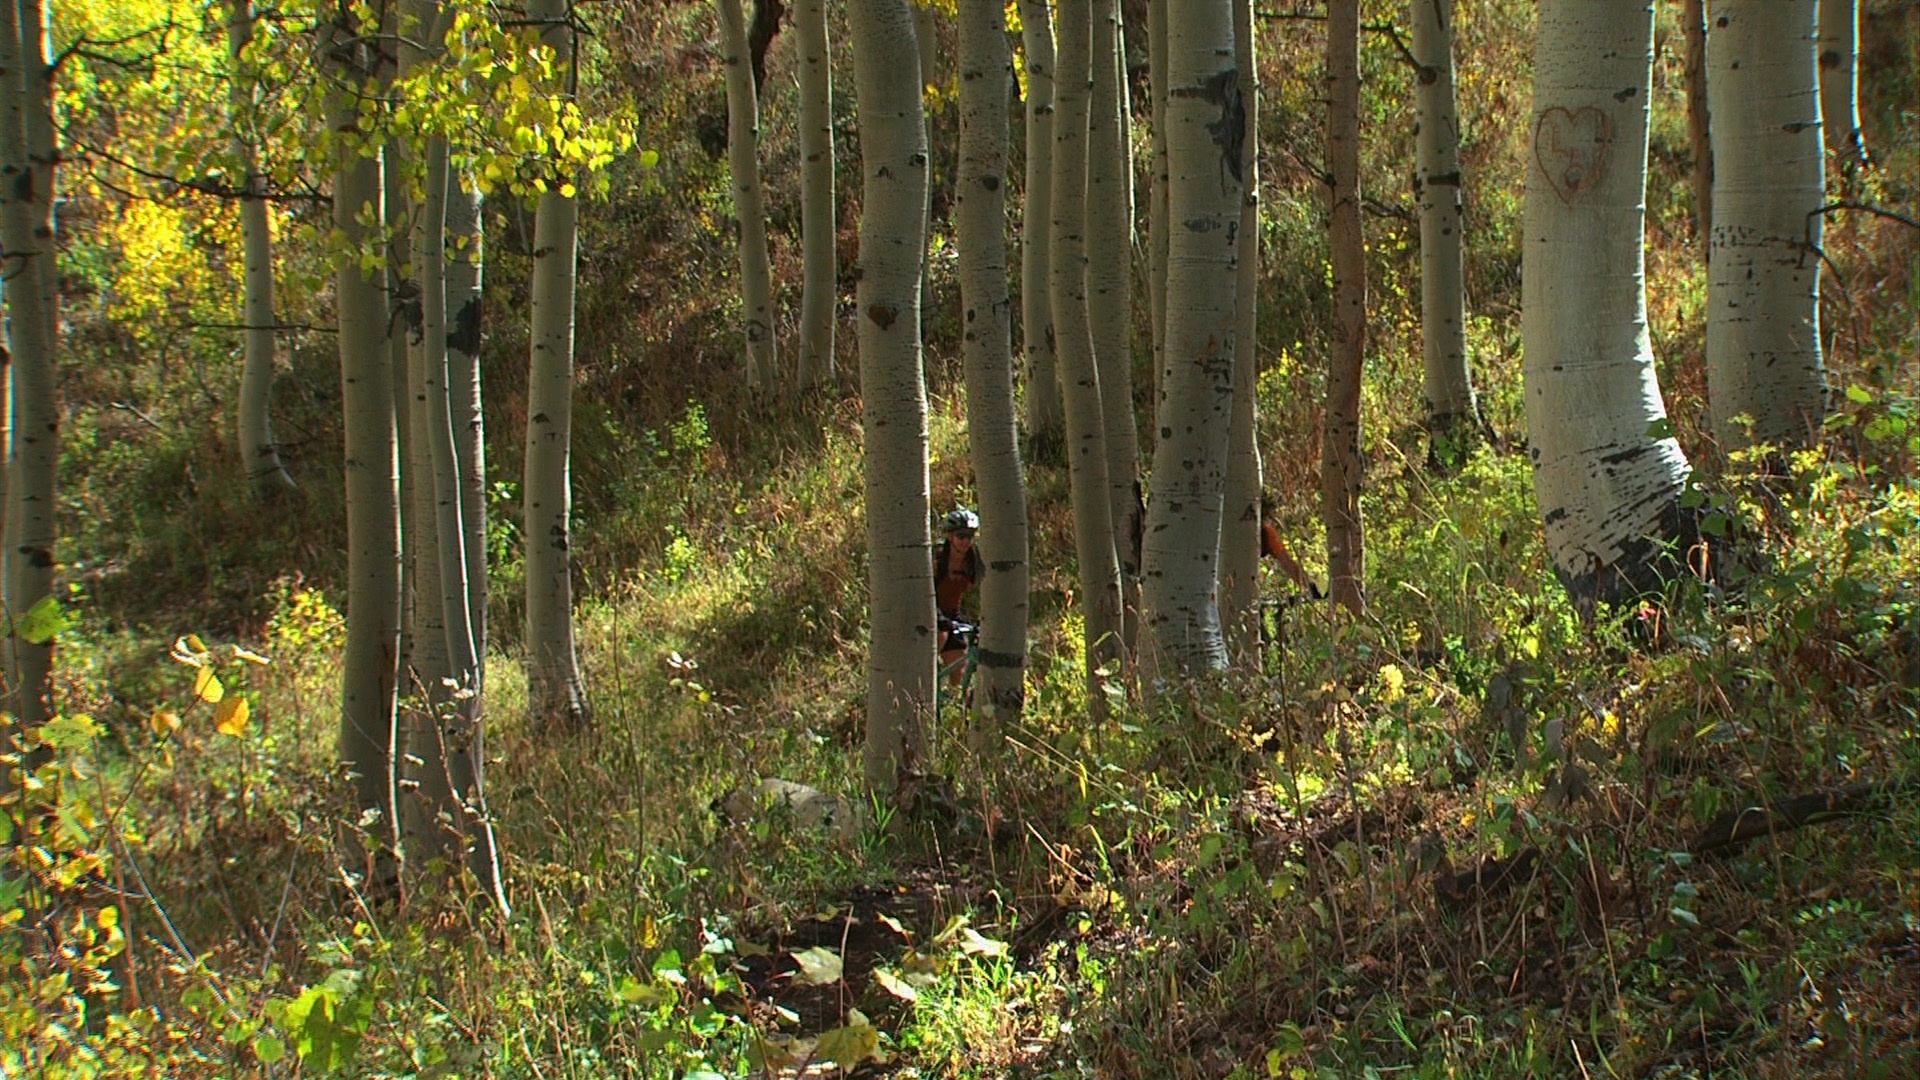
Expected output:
(1073, 337)
(1205, 151)
(1342, 465)
(556, 696)
(749, 204)
(1110, 296)
(1840, 80)
(1763, 280)
(465, 274)
(1453, 412)
(33, 449)
(817, 225)
(1046, 419)
(257, 449)
(369, 663)
(993, 438)
(1239, 573)
(1606, 479)
(900, 665)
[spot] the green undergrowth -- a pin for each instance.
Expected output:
(1466, 835)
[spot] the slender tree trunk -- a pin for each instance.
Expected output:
(900, 665)
(1110, 297)
(465, 272)
(257, 448)
(460, 481)
(1840, 81)
(932, 86)
(1206, 129)
(1693, 20)
(1453, 411)
(1046, 418)
(817, 225)
(749, 204)
(1342, 466)
(556, 695)
(1607, 480)
(33, 449)
(993, 438)
(1763, 282)
(1239, 574)
(1073, 336)
(403, 307)
(369, 664)
(1158, 225)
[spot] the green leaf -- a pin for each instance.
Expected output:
(895, 985)
(855, 1044)
(268, 1049)
(42, 622)
(1660, 429)
(818, 966)
(69, 732)
(1859, 395)
(649, 159)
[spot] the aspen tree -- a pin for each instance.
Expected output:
(986, 345)
(817, 226)
(1207, 166)
(369, 662)
(1240, 520)
(893, 164)
(1453, 410)
(1765, 380)
(1109, 246)
(1073, 337)
(556, 696)
(1046, 418)
(1342, 467)
(749, 203)
(1606, 471)
(258, 451)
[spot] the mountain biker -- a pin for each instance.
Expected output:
(957, 570)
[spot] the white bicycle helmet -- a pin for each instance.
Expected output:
(962, 518)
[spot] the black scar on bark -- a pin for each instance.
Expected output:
(464, 338)
(1229, 132)
(760, 33)
(1650, 565)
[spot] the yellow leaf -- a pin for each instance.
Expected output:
(164, 723)
(567, 191)
(230, 717)
(207, 686)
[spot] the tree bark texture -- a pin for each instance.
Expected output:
(1073, 337)
(370, 661)
(901, 662)
(817, 226)
(465, 277)
(1763, 280)
(1206, 129)
(1693, 21)
(1342, 466)
(1046, 420)
(1239, 574)
(556, 695)
(992, 435)
(1110, 296)
(1606, 478)
(1157, 223)
(1840, 81)
(33, 450)
(1453, 410)
(749, 203)
(258, 451)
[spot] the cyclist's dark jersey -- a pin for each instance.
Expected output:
(951, 587)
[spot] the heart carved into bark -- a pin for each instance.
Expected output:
(1571, 147)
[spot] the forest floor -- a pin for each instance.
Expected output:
(1469, 835)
